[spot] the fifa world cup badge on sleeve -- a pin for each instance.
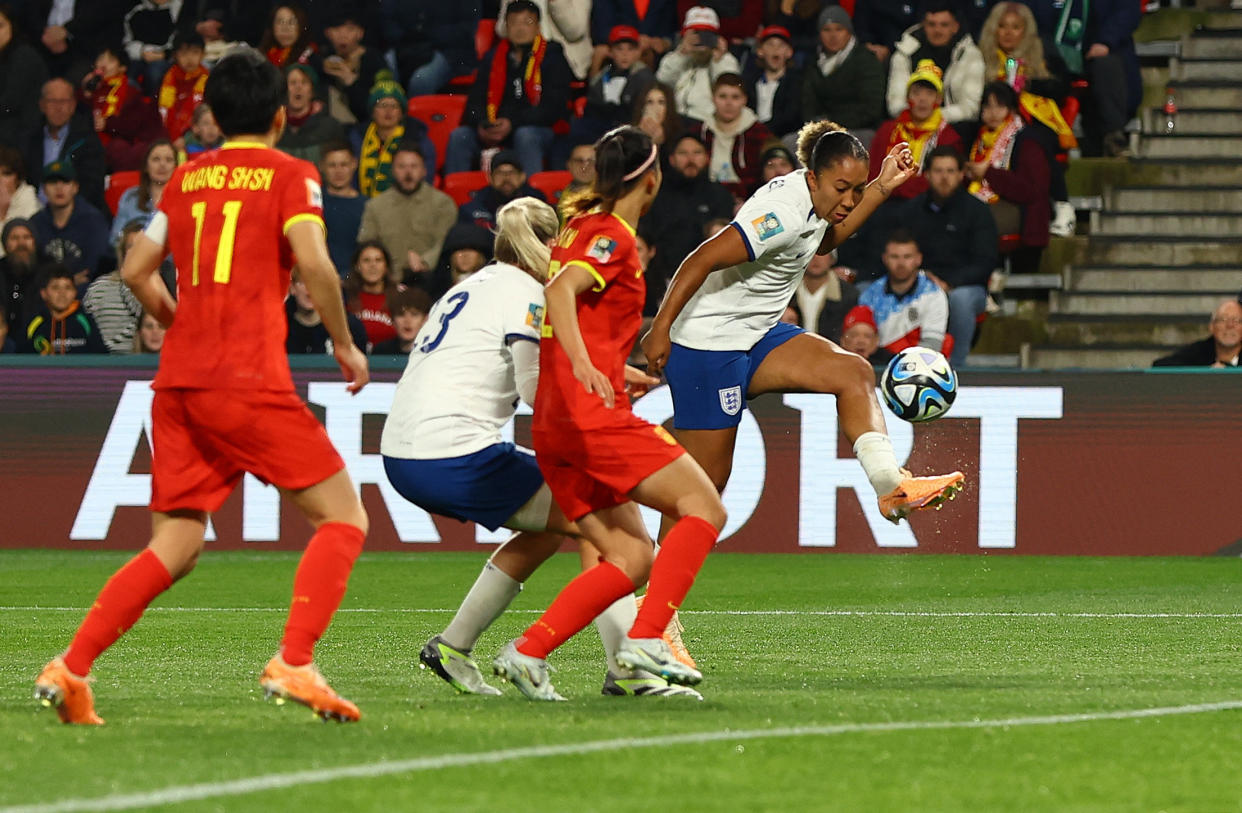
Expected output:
(602, 249)
(767, 226)
(314, 194)
(534, 315)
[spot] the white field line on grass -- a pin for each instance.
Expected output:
(829, 613)
(274, 781)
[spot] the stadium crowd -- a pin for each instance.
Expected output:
(426, 117)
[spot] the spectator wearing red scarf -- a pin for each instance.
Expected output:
(921, 125)
(521, 91)
(124, 118)
(182, 88)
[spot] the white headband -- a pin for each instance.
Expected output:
(645, 165)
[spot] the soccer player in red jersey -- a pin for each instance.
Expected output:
(235, 220)
(597, 457)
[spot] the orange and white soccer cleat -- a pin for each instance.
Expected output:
(672, 637)
(70, 694)
(304, 684)
(915, 493)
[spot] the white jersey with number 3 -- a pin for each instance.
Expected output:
(737, 306)
(459, 387)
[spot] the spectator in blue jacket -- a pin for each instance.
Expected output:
(432, 40)
(71, 231)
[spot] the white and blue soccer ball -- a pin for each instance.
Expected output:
(918, 385)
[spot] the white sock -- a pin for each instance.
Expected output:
(613, 625)
(490, 596)
(875, 453)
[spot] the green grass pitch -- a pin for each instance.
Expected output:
(831, 683)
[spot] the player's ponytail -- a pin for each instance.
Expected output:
(623, 157)
(523, 228)
(823, 143)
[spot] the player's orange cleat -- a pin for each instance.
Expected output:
(920, 492)
(69, 694)
(305, 685)
(672, 637)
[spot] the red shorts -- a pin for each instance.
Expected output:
(205, 440)
(589, 470)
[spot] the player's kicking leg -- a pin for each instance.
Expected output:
(333, 508)
(176, 541)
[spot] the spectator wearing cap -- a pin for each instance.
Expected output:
(910, 309)
(773, 85)
(941, 39)
(739, 20)
(688, 199)
(22, 73)
(69, 229)
(467, 248)
(411, 217)
(432, 41)
(822, 299)
(701, 56)
(506, 181)
(350, 69)
(611, 95)
(1221, 350)
(520, 92)
(567, 22)
(775, 160)
(18, 281)
(151, 27)
(734, 137)
(656, 21)
(126, 120)
(922, 125)
(859, 335)
(342, 204)
(375, 141)
(182, 89)
(307, 125)
(18, 199)
(846, 82)
(62, 135)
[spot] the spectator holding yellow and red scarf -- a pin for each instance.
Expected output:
(922, 125)
(376, 141)
(520, 92)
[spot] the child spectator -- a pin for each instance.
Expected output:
(69, 230)
(367, 287)
(60, 327)
(124, 118)
(613, 91)
(148, 335)
(922, 125)
(140, 201)
(846, 82)
(734, 137)
(204, 132)
(151, 27)
(109, 301)
(701, 56)
(287, 38)
(859, 335)
(408, 308)
(181, 92)
(772, 82)
(308, 127)
(306, 333)
(656, 21)
(342, 205)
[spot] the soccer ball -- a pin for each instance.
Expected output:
(918, 385)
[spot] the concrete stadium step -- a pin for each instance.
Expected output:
(1221, 44)
(1207, 93)
(1197, 120)
(1116, 279)
(1145, 303)
(1170, 223)
(1189, 172)
(1076, 330)
(1212, 69)
(1142, 250)
(1179, 145)
(1176, 199)
(1095, 357)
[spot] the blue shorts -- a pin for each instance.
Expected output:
(487, 487)
(709, 386)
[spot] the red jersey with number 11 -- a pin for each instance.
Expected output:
(228, 213)
(609, 317)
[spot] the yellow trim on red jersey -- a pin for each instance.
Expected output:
(591, 269)
(244, 145)
(298, 218)
(625, 223)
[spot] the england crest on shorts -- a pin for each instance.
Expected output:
(731, 400)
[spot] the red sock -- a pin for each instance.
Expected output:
(672, 575)
(118, 607)
(318, 588)
(589, 594)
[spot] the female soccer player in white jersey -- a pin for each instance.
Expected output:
(476, 355)
(718, 336)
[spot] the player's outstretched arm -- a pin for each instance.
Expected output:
(898, 167)
(562, 297)
(141, 273)
(726, 249)
(307, 240)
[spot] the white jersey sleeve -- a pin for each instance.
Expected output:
(768, 226)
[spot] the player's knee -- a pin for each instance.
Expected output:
(854, 373)
(716, 514)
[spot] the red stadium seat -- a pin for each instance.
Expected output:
(441, 113)
(551, 183)
(115, 186)
(460, 185)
